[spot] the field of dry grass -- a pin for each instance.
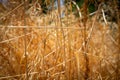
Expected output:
(41, 47)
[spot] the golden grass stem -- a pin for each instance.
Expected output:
(15, 38)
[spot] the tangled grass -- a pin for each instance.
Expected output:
(49, 49)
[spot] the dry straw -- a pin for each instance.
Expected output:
(55, 47)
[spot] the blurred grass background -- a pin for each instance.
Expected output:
(37, 44)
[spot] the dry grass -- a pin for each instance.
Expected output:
(52, 55)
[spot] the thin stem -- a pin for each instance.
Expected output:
(25, 43)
